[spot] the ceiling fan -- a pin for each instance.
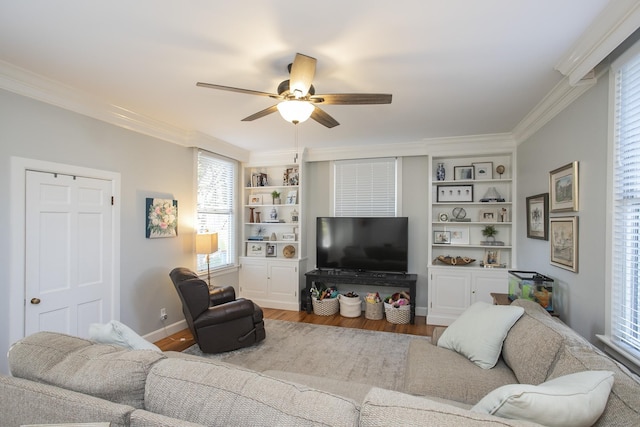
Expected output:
(298, 96)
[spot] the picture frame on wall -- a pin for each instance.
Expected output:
(463, 173)
(563, 188)
(483, 170)
(563, 238)
(454, 193)
(538, 216)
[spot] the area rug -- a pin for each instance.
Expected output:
(347, 354)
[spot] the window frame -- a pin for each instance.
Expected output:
(232, 243)
(628, 355)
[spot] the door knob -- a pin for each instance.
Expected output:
(35, 300)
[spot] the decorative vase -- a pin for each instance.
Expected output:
(251, 218)
(440, 173)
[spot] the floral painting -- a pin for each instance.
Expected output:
(162, 218)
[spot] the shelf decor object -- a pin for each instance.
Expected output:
(454, 193)
(483, 170)
(563, 188)
(450, 260)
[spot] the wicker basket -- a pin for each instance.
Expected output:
(350, 306)
(373, 310)
(325, 307)
(398, 315)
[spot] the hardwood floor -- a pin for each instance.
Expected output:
(183, 339)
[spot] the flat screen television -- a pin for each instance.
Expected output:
(377, 244)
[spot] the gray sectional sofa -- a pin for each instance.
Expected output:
(59, 378)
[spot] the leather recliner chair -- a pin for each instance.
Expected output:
(218, 321)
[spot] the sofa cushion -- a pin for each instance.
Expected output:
(575, 400)
(531, 346)
(443, 373)
(480, 331)
(117, 333)
(28, 402)
(106, 371)
(142, 418)
(218, 394)
(391, 408)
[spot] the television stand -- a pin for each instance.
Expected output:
(399, 280)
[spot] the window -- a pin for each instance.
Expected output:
(623, 325)
(217, 177)
(366, 187)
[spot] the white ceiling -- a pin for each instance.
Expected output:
(454, 67)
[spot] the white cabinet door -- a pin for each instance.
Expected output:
(485, 282)
(283, 278)
(253, 280)
(449, 294)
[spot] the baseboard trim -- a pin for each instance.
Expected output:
(166, 331)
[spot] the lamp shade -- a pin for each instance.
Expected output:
(206, 243)
(295, 111)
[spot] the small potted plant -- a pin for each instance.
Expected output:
(276, 197)
(490, 232)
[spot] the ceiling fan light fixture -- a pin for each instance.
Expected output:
(295, 111)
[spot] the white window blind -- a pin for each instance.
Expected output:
(365, 187)
(625, 263)
(217, 177)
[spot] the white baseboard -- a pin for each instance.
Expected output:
(171, 329)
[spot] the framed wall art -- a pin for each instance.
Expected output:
(454, 193)
(483, 170)
(538, 216)
(162, 218)
(563, 188)
(463, 173)
(564, 242)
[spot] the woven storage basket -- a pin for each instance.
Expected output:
(325, 307)
(373, 310)
(400, 315)
(350, 306)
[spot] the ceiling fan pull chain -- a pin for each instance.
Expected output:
(295, 144)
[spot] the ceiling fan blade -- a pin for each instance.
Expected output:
(352, 98)
(262, 113)
(303, 70)
(235, 89)
(323, 118)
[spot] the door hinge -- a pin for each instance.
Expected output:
(112, 200)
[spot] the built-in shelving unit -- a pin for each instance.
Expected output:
(472, 196)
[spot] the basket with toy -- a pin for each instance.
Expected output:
(397, 308)
(373, 306)
(325, 301)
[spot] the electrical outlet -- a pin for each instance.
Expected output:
(163, 314)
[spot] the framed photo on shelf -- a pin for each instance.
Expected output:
(292, 197)
(459, 235)
(292, 176)
(441, 237)
(461, 173)
(255, 199)
(271, 250)
(454, 193)
(255, 249)
(538, 216)
(564, 242)
(491, 257)
(483, 170)
(488, 215)
(259, 179)
(563, 188)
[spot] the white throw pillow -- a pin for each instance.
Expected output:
(120, 334)
(573, 400)
(480, 331)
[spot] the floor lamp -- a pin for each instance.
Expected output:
(206, 244)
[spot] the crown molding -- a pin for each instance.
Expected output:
(615, 23)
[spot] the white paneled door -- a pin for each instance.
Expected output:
(69, 259)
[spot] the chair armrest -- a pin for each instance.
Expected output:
(225, 313)
(222, 295)
(437, 333)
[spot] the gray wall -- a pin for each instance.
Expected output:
(578, 133)
(148, 168)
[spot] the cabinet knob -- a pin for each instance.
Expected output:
(35, 300)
